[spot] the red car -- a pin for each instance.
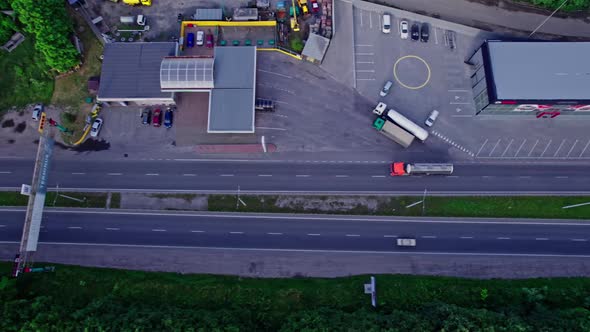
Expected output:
(315, 7)
(209, 40)
(157, 118)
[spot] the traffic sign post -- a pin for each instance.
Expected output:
(371, 288)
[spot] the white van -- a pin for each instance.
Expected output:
(386, 23)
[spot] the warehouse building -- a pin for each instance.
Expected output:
(539, 78)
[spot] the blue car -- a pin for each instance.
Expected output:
(190, 40)
(168, 118)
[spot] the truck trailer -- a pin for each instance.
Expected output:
(402, 121)
(401, 169)
(393, 132)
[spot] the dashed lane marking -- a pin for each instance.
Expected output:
(377, 176)
(579, 240)
(541, 239)
(5, 172)
(352, 235)
(271, 233)
(265, 175)
(428, 236)
(503, 238)
(454, 144)
(466, 237)
(341, 176)
(302, 175)
(114, 174)
(236, 232)
(152, 174)
(226, 175)
(313, 234)
(158, 230)
(189, 174)
(78, 173)
(112, 229)
(74, 227)
(197, 231)
(389, 235)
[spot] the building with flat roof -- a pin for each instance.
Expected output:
(524, 77)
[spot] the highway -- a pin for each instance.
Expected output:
(458, 236)
(278, 176)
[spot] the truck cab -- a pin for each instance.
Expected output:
(398, 169)
(380, 108)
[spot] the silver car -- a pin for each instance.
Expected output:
(96, 125)
(386, 88)
(431, 118)
(37, 111)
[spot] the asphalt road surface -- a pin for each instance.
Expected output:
(269, 176)
(306, 233)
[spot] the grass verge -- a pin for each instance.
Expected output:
(497, 207)
(63, 199)
(104, 299)
(25, 78)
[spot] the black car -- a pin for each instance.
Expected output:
(146, 116)
(424, 32)
(415, 31)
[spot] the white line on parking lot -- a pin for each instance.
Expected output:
(584, 148)
(270, 128)
(495, 146)
(451, 176)
(559, 148)
(534, 146)
(364, 45)
(461, 116)
(189, 175)
(152, 174)
(365, 79)
(365, 62)
(78, 173)
(280, 102)
(458, 90)
(455, 103)
(517, 151)
(547, 147)
(507, 147)
(481, 148)
(364, 53)
(365, 70)
(435, 36)
(572, 149)
(370, 20)
(114, 173)
(273, 73)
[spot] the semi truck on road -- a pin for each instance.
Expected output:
(402, 122)
(401, 169)
(393, 132)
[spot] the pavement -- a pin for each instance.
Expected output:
(299, 176)
(449, 239)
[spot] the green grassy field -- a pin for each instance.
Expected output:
(517, 207)
(88, 200)
(25, 79)
(92, 299)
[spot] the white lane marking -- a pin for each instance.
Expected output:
(78, 173)
(481, 148)
(152, 174)
(189, 174)
(389, 235)
(273, 73)
(352, 235)
(579, 240)
(452, 176)
(302, 175)
(377, 176)
(114, 173)
(236, 232)
(365, 79)
(572, 149)
(5, 172)
(365, 70)
(502, 238)
(487, 176)
(366, 62)
(5, 226)
(534, 146)
(466, 237)
(313, 234)
(226, 175)
(584, 150)
(433, 253)
(364, 53)
(524, 177)
(517, 151)
(271, 128)
(341, 176)
(74, 227)
(271, 233)
(561, 177)
(265, 175)
(158, 230)
(364, 45)
(428, 236)
(559, 148)
(112, 229)
(435, 36)
(197, 231)
(541, 239)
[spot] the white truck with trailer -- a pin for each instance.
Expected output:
(402, 122)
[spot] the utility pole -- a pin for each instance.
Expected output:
(548, 17)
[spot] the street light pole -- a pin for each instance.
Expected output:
(548, 17)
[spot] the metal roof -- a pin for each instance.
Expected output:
(540, 70)
(208, 14)
(186, 73)
(231, 108)
(316, 47)
(132, 70)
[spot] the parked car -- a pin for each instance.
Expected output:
(315, 7)
(168, 118)
(157, 118)
(37, 110)
(415, 32)
(96, 125)
(179, 18)
(190, 39)
(146, 116)
(431, 118)
(386, 88)
(403, 29)
(386, 23)
(424, 32)
(209, 40)
(200, 37)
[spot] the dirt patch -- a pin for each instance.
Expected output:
(8, 123)
(330, 204)
(21, 127)
(164, 201)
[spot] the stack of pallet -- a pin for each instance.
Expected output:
(326, 19)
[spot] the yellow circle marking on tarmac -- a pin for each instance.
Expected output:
(408, 86)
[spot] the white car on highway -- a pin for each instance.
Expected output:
(403, 29)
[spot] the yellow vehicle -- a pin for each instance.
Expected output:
(294, 23)
(304, 7)
(136, 2)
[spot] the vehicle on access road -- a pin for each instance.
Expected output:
(37, 111)
(431, 118)
(96, 126)
(406, 242)
(386, 88)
